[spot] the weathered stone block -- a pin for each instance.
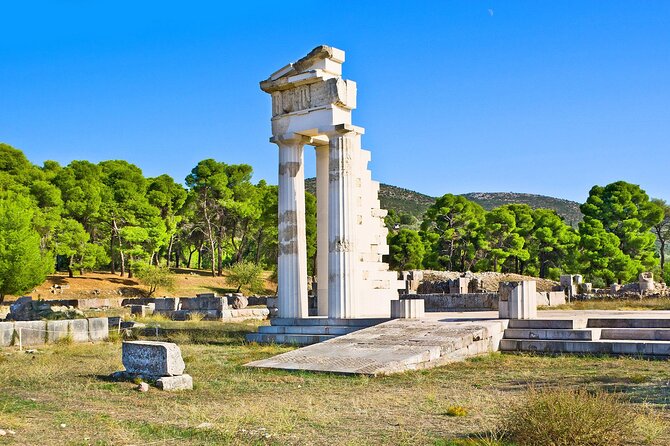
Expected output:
(407, 309)
(57, 330)
(98, 329)
(172, 383)
(239, 302)
(647, 282)
(152, 358)
(31, 332)
(518, 300)
(6, 333)
(203, 303)
(79, 330)
(22, 309)
(556, 298)
(543, 298)
(167, 304)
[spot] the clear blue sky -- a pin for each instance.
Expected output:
(547, 97)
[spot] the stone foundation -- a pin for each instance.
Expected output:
(459, 302)
(34, 333)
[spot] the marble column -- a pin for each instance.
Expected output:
(292, 261)
(341, 238)
(322, 161)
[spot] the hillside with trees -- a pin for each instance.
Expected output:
(108, 216)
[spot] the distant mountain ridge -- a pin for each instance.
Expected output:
(567, 209)
(415, 203)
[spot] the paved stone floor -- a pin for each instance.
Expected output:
(401, 345)
(394, 346)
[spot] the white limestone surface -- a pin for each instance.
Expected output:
(394, 347)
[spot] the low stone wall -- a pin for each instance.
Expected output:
(459, 302)
(33, 333)
(245, 313)
(551, 298)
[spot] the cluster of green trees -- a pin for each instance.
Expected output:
(108, 215)
(622, 234)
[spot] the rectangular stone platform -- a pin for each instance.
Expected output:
(308, 331)
(393, 347)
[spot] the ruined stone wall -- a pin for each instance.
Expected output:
(459, 302)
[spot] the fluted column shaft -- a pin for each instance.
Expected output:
(292, 261)
(341, 237)
(322, 167)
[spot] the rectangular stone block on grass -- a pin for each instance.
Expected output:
(79, 330)
(171, 383)
(167, 304)
(57, 330)
(152, 358)
(98, 328)
(31, 332)
(6, 333)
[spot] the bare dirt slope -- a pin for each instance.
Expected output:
(103, 284)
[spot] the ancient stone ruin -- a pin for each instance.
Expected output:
(312, 105)
(160, 362)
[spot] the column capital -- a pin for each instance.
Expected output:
(341, 129)
(292, 139)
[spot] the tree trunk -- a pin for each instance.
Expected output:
(662, 241)
(190, 256)
(259, 239)
(219, 251)
(169, 253)
(112, 269)
(70, 273)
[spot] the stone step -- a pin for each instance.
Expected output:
(291, 339)
(562, 324)
(307, 329)
(645, 334)
(620, 347)
(628, 323)
(553, 334)
(364, 322)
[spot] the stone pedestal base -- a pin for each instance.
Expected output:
(171, 383)
(407, 309)
(518, 300)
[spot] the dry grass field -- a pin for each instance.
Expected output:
(61, 395)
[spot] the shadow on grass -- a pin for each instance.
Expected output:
(220, 290)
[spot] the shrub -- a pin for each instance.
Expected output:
(245, 274)
(456, 411)
(558, 417)
(154, 277)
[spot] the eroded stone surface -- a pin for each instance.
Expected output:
(6, 333)
(98, 328)
(393, 347)
(152, 358)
